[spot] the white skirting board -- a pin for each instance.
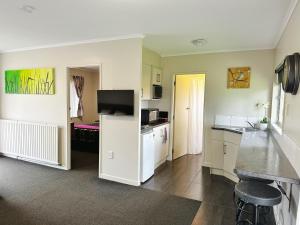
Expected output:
(59, 166)
(119, 180)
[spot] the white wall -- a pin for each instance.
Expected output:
(121, 69)
(289, 44)
(219, 99)
(151, 58)
(290, 140)
(89, 97)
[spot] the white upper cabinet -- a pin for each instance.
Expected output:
(151, 75)
(156, 76)
(146, 82)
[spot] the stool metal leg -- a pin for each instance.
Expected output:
(240, 207)
(256, 215)
(239, 216)
(264, 211)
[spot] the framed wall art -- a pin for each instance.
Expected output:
(39, 81)
(238, 77)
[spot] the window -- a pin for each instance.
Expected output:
(74, 100)
(277, 106)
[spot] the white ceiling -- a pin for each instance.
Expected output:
(168, 25)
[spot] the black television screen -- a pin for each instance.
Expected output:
(115, 102)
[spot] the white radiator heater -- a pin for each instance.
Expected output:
(29, 141)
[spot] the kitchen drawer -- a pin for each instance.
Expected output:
(232, 137)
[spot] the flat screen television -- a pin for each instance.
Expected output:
(115, 102)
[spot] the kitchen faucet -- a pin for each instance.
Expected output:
(252, 125)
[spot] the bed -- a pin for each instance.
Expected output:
(85, 137)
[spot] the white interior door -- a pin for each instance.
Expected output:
(181, 116)
(188, 114)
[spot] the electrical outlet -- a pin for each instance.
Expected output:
(110, 154)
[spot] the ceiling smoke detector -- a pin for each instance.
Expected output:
(199, 42)
(28, 8)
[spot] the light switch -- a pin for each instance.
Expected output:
(110, 154)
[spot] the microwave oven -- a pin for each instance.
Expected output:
(149, 116)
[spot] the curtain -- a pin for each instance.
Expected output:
(195, 117)
(79, 84)
(74, 100)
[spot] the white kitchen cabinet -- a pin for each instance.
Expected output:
(232, 137)
(221, 149)
(156, 76)
(213, 149)
(161, 144)
(207, 155)
(147, 155)
(146, 82)
(218, 154)
(230, 155)
(151, 75)
(157, 145)
(231, 146)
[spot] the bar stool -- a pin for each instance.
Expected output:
(258, 195)
(249, 178)
(239, 204)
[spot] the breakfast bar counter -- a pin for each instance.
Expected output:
(261, 157)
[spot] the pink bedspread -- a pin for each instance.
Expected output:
(87, 126)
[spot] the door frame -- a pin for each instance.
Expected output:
(68, 144)
(170, 155)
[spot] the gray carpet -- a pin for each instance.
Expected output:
(37, 195)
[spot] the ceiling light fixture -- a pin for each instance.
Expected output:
(199, 42)
(28, 8)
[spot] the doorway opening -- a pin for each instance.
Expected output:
(188, 112)
(83, 117)
(183, 175)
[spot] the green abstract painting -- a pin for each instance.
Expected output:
(38, 81)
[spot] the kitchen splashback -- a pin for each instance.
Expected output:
(235, 121)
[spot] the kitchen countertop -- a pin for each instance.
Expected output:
(148, 128)
(260, 156)
(238, 130)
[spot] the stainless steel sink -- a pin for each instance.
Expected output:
(249, 129)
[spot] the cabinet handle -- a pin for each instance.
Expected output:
(142, 92)
(224, 149)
